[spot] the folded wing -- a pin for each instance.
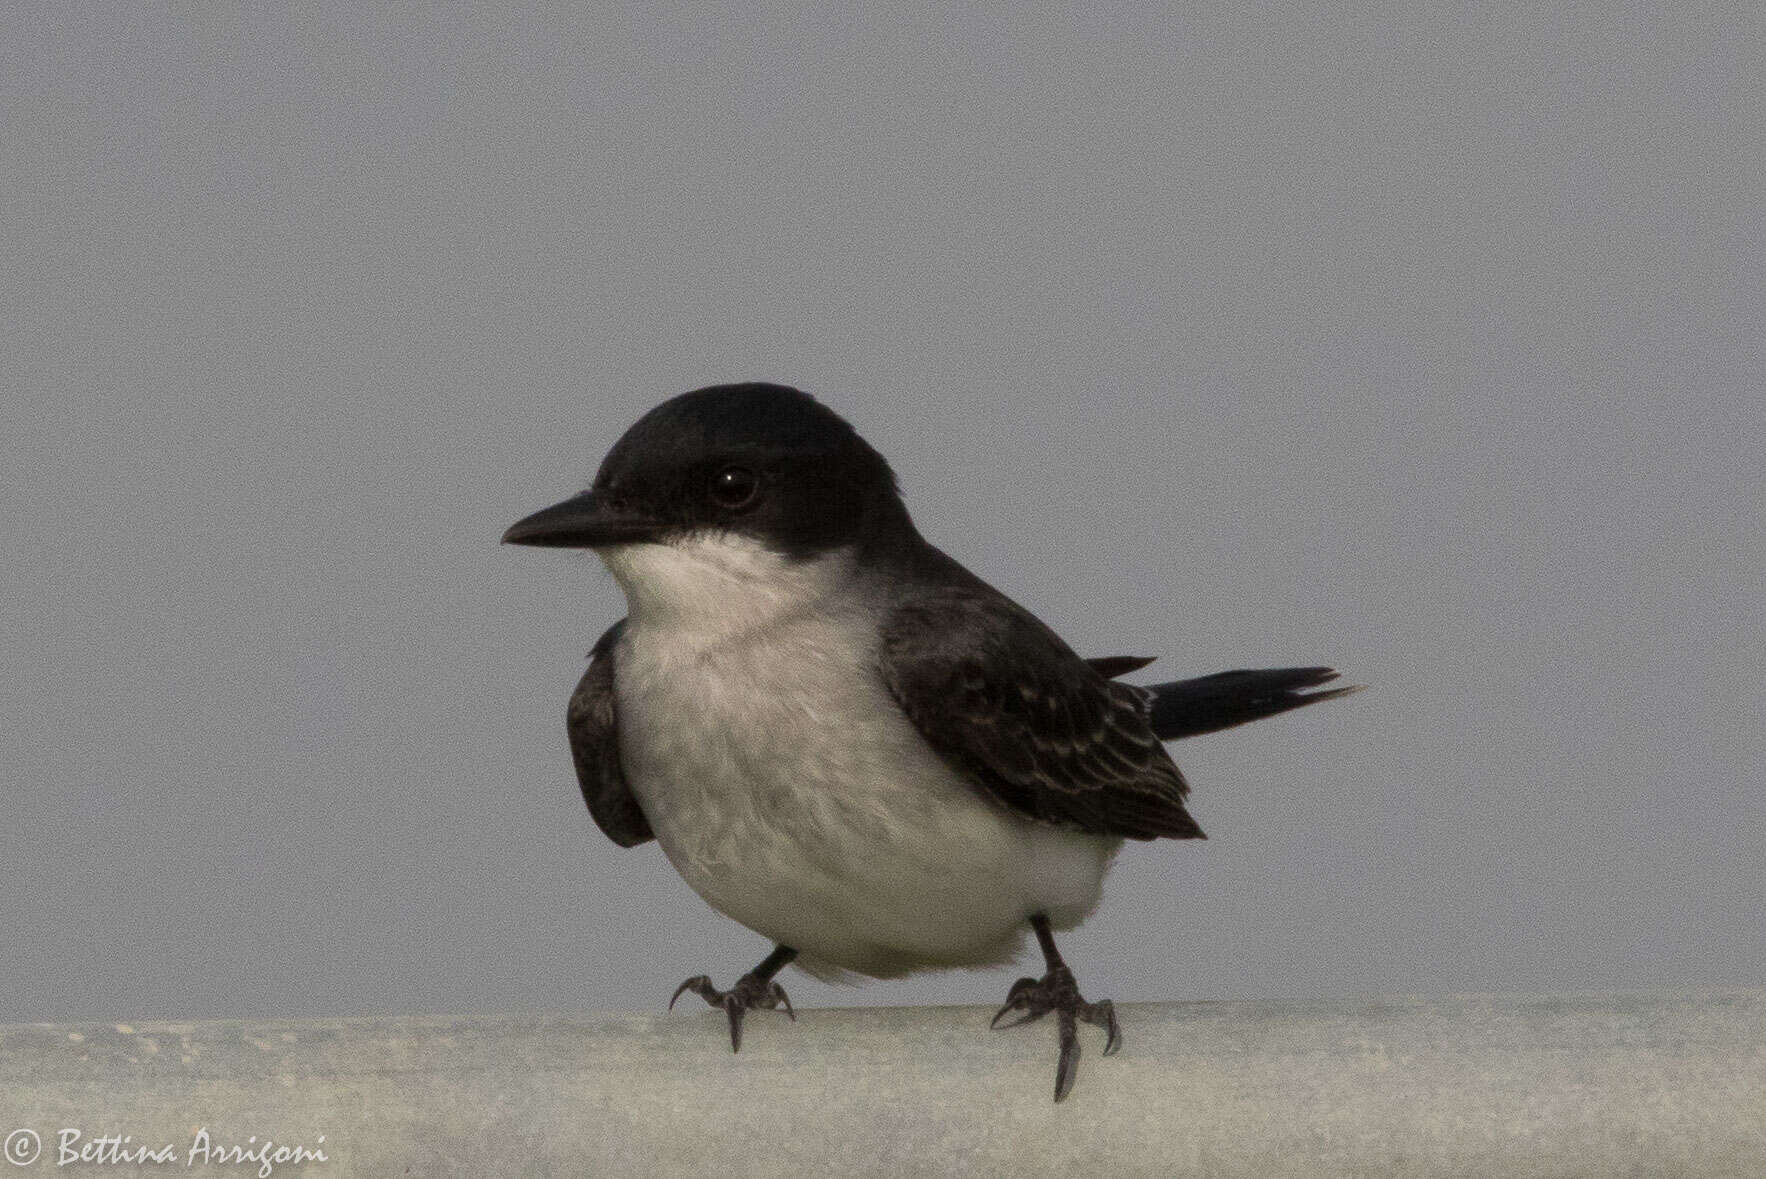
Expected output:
(594, 745)
(1031, 724)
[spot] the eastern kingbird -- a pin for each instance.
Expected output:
(842, 738)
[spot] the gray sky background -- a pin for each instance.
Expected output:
(1427, 343)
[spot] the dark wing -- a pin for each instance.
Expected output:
(594, 744)
(1114, 667)
(1003, 699)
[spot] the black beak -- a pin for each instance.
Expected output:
(582, 522)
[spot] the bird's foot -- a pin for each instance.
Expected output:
(751, 993)
(1057, 991)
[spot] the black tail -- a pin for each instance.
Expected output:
(1220, 701)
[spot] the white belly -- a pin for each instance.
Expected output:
(790, 792)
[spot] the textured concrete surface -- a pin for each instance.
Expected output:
(1659, 1084)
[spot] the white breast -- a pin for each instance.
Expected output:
(789, 790)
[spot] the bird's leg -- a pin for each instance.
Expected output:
(756, 989)
(1057, 991)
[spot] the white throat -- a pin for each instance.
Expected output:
(719, 586)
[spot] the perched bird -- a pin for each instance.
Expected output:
(842, 738)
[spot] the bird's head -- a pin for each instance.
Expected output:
(725, 487)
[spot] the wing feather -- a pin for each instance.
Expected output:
(1034, 726)
(593, 723)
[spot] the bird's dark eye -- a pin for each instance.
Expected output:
(735, 487)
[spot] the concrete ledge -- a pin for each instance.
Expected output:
(1661, 1084)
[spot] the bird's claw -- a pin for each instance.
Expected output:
(749, 994)
(1058, 992)
(1017, 999)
